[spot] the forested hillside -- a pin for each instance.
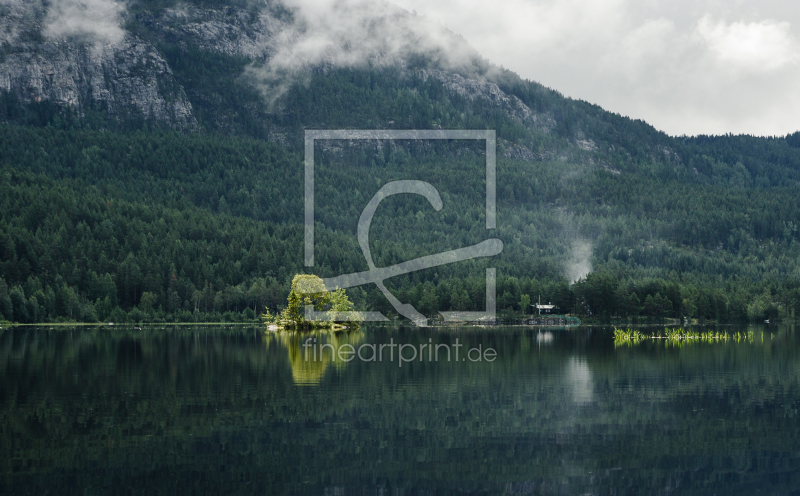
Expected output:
(121, 217)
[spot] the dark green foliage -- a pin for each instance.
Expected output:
(6, 305)
(221, 99)
(182, 226)
(101, 216)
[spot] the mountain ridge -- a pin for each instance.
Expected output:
(607, 215)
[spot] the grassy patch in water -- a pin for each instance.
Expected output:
(680, 336)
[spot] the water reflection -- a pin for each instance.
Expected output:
(544, 337)
(210, 410)
(309, 366)
(579, 377)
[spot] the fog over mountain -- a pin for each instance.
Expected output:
(152, 152)
(354, 33)
(97, 20)
(687, 67)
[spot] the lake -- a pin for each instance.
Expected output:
(236, 410)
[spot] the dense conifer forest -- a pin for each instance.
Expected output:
(109, 218)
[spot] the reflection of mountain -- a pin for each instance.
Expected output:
(310, 363)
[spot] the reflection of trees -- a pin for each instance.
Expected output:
(175, 399)
(306, 368)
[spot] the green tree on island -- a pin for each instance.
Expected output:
(308, 289)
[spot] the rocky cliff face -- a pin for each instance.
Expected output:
(490, 94)
(259, 36)
(127, 77)
(231, 31)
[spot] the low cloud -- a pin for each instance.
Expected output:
(94, 21)
(352, 33)
(751, 46)
(13, 15)
(687, 66)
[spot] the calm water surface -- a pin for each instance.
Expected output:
(240, 411)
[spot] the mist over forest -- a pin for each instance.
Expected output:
(152, 171)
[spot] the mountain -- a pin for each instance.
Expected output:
(152, 169)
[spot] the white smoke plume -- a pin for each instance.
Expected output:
(352, 33)
(94, 21)
(579, 264)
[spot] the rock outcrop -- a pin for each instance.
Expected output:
(230, 31)
(488, 92)
(127, 78)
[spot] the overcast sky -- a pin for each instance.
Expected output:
(686, 67)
